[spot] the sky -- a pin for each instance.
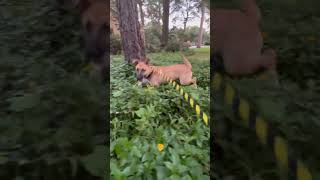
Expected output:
(194, 22)
(179, 23)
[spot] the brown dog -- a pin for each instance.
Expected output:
(95, 21)
(237, 39)
(152, 75)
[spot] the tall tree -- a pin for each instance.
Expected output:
(165, 25)
(154, 11)
(202, 10)
(114, 22)
(131, 40)
(142, 24)
(187, 11)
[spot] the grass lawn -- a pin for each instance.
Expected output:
(144, 119)
(200, 54)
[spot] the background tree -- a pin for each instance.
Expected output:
(142, 24)
(114, 22)
(165, 20)
(131, 40)
(203, 5)
(187, 10)
(154, 11)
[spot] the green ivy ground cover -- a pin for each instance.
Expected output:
(142, 118)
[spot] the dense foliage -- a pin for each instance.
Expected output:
(142, 118)
(53, 119)
(293, 107)
(115, 44)
(177, 37)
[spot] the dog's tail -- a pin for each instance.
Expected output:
(250, 8)
(186, 61)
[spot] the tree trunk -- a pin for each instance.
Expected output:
(159, 13)
(165, 21)
(200, 36)
(140, 3)
(185, 25)
(131, 40)
(185, 21)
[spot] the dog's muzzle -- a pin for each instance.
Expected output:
(145, 81)
(140, 77)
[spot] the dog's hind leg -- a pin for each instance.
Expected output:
(188, 81)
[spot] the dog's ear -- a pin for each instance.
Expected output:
(250, 8)
(82, 5)
(146, 60)
(135, 62)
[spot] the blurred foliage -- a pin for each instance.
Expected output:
(53, 119)
(174, 44)
(153, 37)
(145, 117)
(292, 108)
(177, 38)
(115, 44)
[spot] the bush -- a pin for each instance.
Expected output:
(152, 37)
(115, 44)
(173, 46)
(188, 52)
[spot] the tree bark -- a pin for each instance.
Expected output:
(185, 21)
(165, 21)
(159, 12)
(201, 30)
(140, 3)
(131, 40)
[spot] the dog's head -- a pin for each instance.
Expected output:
(142, 68)
(95, 22)
(250, 8)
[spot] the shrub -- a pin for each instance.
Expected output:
(115, 44)
(152, 37)
(188, 51)
(173, 46)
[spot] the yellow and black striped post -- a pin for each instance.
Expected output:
(187, 97)
(264, 131)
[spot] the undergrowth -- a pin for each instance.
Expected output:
(142, 118)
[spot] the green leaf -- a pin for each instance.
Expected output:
(174, 177)
(169, 165)
(3, 159)
(22, 103)
(117, 93)
(74, 166)
(96, 162)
